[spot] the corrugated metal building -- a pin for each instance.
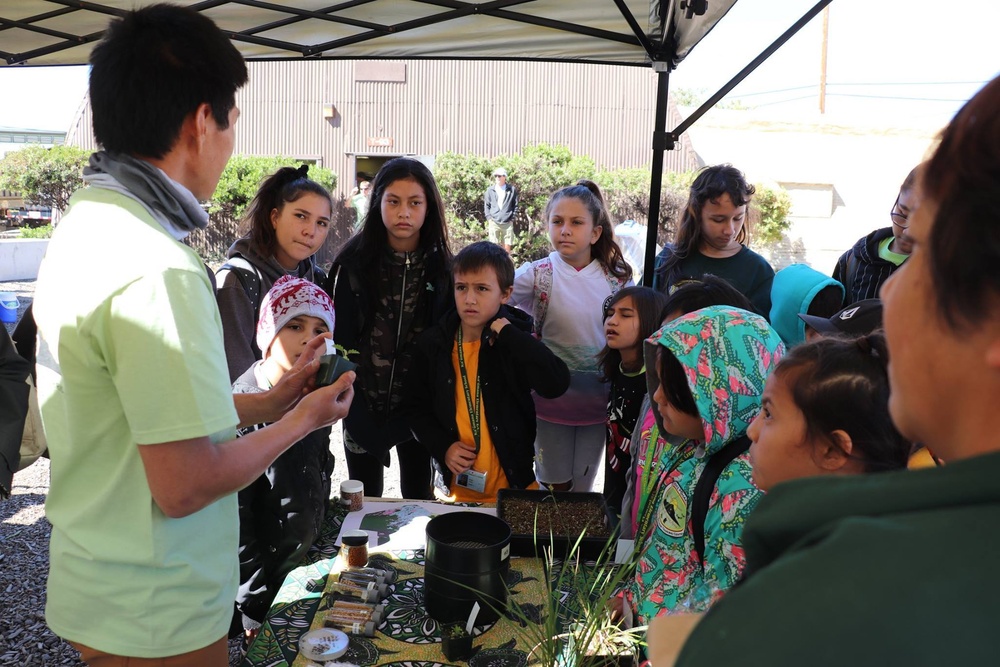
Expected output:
(351, 116)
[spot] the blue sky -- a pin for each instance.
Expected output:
(911, 62)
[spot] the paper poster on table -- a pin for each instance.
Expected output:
(397, 525)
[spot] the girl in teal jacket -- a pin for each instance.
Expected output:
(711, 366)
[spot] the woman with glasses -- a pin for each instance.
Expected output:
(871, 261)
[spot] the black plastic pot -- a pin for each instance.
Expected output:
(456, 643)
(467, 559)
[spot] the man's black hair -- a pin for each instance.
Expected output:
(153, 68)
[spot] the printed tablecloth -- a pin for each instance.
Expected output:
(406, 635)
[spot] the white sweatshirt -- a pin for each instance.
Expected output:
(574, 330)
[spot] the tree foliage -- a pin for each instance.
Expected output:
(44, 176)
(239, 183)
(541, 169)
(243, 175)
(770, 207)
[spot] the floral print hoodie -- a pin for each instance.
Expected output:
(727, 354)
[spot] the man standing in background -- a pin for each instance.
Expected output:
(500, 207)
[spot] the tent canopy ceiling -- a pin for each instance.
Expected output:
(625, 32)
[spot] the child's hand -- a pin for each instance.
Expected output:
(616, 607)
(495, 327)
(498, 324)
(460, 457)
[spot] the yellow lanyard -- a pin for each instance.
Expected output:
(474, 410)
(647, 504)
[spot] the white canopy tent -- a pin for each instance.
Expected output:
(622, 32)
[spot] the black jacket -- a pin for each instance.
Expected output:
(354, 302)
(14, 371)
(280, 513)
(861, 270)
(509, 369)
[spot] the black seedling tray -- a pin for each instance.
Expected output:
(527, 544)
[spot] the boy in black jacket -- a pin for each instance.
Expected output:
(468, 391)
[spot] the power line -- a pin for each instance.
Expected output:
(896, 83)
(911, 83)
(790, 99)
(902, 99)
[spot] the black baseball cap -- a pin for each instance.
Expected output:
(858, 319)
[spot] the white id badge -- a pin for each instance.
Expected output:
(473, 480)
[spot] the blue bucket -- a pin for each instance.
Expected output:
(8, 307)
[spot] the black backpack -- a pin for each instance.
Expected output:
(706, 485)
(249, 279)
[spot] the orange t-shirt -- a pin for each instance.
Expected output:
(487, 460)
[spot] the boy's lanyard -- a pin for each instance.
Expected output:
(647, 504)
(474, 410)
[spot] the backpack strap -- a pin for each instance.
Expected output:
(250, 280)
(706, 486)
(615, 283)
(542, 288)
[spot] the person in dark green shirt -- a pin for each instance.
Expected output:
(711, 239)
(898, 568)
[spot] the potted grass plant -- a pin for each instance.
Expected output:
(578, 626)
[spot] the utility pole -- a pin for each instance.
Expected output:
(822, 60)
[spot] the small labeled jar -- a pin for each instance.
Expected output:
(354, 549)
(352, 494)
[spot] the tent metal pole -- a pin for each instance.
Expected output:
(661, 141)
(745, 72)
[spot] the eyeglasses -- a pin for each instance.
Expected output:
(898, 219)
(499, 176)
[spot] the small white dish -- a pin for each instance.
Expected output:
(323, 644)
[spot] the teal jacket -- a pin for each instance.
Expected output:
(727, 354)
(792, 291)
(870, 570)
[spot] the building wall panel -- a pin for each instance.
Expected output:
(485, 107)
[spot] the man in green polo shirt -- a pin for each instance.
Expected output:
(132, 377)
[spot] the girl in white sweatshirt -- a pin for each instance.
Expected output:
(566, 293)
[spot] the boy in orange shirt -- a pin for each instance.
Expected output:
(468, 390)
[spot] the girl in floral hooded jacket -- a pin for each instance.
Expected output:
(711, 366)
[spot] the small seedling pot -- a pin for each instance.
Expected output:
(456, 642)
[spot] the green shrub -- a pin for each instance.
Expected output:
(42, 232)
(627, 194)
(536, 172)
(771, 205)
(243, 175)
(239, 183)
(541, 169)
(44, 176)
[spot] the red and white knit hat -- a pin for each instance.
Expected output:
(287, 299)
